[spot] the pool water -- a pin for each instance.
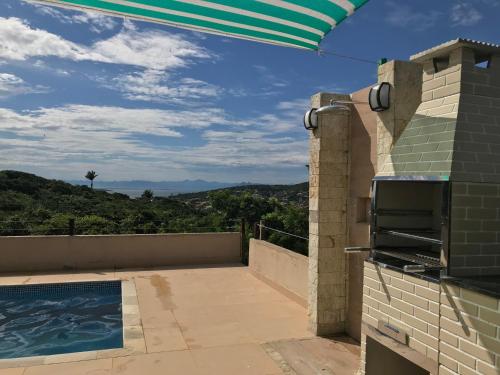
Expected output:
(50, 319)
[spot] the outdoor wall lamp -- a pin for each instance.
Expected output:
(379, 97)
(311, 116)
(311, 119)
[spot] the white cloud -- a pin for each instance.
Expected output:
(271, 82)
(160, 87)
(404, 16)
(464, 14)
(70, 138)
(11, 85)
(97, 22)
(156, 52)
(39, 64)
(148, 49)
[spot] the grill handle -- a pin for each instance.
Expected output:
(414, 268)
(356, 249)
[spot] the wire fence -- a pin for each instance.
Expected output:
(96, 226)
(290, 241)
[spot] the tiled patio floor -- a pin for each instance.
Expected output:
(195, 321)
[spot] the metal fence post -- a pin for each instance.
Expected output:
(261, 223)
(71, 227)
(243, 238)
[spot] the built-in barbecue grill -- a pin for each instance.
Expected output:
(409, 223)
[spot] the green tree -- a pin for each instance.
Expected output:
(58, 224)
(91, 175)
(14, 226)
(93, 224)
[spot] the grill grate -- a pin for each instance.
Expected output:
(422, 259)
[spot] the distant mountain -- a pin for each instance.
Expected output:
(135, 188)
(297, 194)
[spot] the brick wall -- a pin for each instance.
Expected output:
(453, 326)
(475, 229)
(406, 302)
(456, 128)
(469, 332)
(425, 146)
(477, 139)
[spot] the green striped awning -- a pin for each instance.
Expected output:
(294, 23)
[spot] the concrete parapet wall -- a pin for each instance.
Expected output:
(281, 268)
(52, 253)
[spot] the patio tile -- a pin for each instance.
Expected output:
(21, 362)
(70, 357)
(12, 371)
(129, 290)
(164, 340)
(96, 367)
(222, 334)
(131, 320)
(13, 280)
(133, 333)
(70, 277)
(168, 363)
(265, 330)
(246, 359)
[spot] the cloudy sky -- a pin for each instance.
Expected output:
(134, 100)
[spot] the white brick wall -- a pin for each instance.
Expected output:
(469, 332)
(456, 327)
(406, 302)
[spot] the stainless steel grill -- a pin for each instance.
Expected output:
(409, 224)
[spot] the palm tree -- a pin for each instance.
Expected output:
(91, 175)
(147, 195)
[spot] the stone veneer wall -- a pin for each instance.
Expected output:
(362, 164)
(406, 302)
(475, 229)
(328, 193)
(469, 332)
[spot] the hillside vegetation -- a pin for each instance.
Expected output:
(32, 205)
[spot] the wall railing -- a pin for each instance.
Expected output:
(290, 241)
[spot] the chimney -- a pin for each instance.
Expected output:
(454, 135)
(455, 131)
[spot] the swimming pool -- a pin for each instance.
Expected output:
(48, 319)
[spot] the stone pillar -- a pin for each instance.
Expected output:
(328, 194)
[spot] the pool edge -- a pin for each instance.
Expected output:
(133, 336)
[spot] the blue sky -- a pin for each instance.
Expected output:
(134, 100)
